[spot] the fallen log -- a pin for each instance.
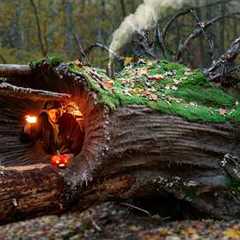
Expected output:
(130, 150)
(13, 70)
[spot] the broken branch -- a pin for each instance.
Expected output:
(221, 69)
(198, 31)
(14, 70)
(102, 46)
(10, 90)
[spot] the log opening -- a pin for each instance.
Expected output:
(132, 152)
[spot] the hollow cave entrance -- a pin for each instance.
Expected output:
(14, 113)
(59, 131)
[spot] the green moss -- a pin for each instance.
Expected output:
(169, 88)
(52, 60)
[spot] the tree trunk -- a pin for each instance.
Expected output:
(131, 152)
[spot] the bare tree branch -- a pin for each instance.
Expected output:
(13, 70)
(221, 69)
(10, 90)
(198, 31)
(201, 26)
(172, 20)
(104, 47)
(82, 54)
(185, 12)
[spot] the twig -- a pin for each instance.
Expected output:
(104, 47)
(171, 21)
(80, 48)
(185, 12)
(201, 26)
(136, 208)
(98, 228)
(198, 31)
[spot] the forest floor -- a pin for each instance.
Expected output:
(114, 221)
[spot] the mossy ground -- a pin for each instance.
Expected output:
(169, 88)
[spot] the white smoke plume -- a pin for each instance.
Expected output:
(145, 17)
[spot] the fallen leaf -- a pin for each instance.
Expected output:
(157, 77)
(142, 71)
(190, 233)
(108, 84)
(128, 60)
(232, 233)
(137, 90)
(153, 97)
(78, 63)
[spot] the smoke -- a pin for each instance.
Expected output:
(145, 17)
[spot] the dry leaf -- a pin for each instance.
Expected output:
(153, 97)
(108, 84)
(136, 90)
(128, 60)
(157, 77)
(78, 63)
(232, 233)
(142, 71)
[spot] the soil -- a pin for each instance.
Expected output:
(118, 221)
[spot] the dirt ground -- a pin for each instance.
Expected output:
(117, 221)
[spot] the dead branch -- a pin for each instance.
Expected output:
(201, 26)
(82, 53)
(221, 69)
(104, 47)
(185, 12)
(10, 90)
(199, 31)
(14, 70)
(172, 20)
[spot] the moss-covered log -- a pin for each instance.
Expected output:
(133, 146)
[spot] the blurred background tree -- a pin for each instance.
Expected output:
(31, 29)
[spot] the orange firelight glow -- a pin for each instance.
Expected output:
(31, 119)
(60, 161)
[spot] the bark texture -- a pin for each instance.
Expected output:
(127, 153)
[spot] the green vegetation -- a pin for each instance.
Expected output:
(53, 61)
(167, 87)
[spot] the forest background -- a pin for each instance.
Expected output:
(32, 29)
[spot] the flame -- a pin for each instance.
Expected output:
(60, 161)
(31, 119)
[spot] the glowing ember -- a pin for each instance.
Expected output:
(60, 161)
(31, 119)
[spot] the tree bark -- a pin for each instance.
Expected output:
(13, 70)
(128, 153)
(132, 152)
